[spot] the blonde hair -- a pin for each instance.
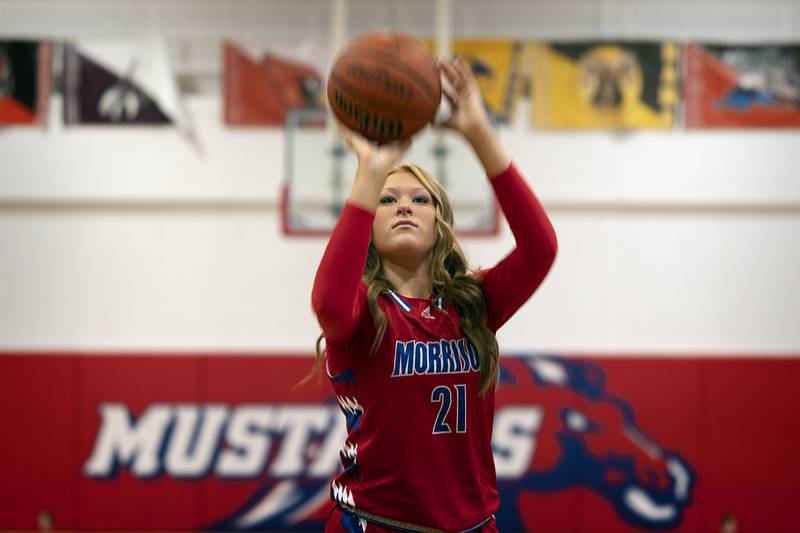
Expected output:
(451, 280)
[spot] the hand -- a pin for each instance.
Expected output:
(374, 161)
(469, 114)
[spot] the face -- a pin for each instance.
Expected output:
(404, 229)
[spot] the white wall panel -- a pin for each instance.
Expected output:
(203, 279)
(749, 168)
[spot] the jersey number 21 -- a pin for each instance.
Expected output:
(444, 397)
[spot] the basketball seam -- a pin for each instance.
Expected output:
(407, 111)
(404, 68)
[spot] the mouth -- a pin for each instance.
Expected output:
(402, 223)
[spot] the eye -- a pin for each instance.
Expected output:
(387, 199)
(421, 199)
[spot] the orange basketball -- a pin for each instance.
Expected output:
(385, 86)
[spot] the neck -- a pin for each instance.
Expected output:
(413, 281)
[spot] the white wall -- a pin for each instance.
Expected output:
(671, 242)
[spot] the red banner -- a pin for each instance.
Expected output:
(184, 442)
(260, 92)
(24, 82)
(731, 86)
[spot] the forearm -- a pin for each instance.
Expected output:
(533, 232)
(366, 191)
(374, 163)
(487, 148)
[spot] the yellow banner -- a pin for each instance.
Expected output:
(604, 85)
(497, 64)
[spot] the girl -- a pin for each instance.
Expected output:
(410, 332)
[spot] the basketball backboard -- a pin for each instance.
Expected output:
(319, 173)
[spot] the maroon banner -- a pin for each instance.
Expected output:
(228, 442)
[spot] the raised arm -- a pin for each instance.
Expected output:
(509, 284)
(512, 281)
(469, 115)
(336, 297)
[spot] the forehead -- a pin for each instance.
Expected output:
(403, 180)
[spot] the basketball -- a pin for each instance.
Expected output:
(385, 86)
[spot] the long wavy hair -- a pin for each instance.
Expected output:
(451, 280)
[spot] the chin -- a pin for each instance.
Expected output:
(406, 248)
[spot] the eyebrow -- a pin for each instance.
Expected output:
(415, 189)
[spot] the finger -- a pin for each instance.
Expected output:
(463, 74)
(404, 146)
(461, 71)
(353, 139)
(451, 95)
(448, 88)
(398, 148)
(343, 130)
(467, 75)
(345, 133)
(445, 65)
(452, 75)
(463, 67)
(445, 124)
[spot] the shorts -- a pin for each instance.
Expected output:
(343, 521)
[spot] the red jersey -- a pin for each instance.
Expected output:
(418, 448)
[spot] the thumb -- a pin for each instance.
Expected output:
(400, 148)
(449, 123)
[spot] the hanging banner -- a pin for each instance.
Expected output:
(24, 82)
(497, 65)
(121, 83)
(604, 85)
(262, 87)
(742, 86)
(227, 442)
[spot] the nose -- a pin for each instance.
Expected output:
(403, 208)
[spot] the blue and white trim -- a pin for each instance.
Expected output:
(438, 302)
(400, 301)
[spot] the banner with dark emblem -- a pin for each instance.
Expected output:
(497, 65)
(120, 83)
(604, 85)
(742, 86)
(24, 82)
(261, 87)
